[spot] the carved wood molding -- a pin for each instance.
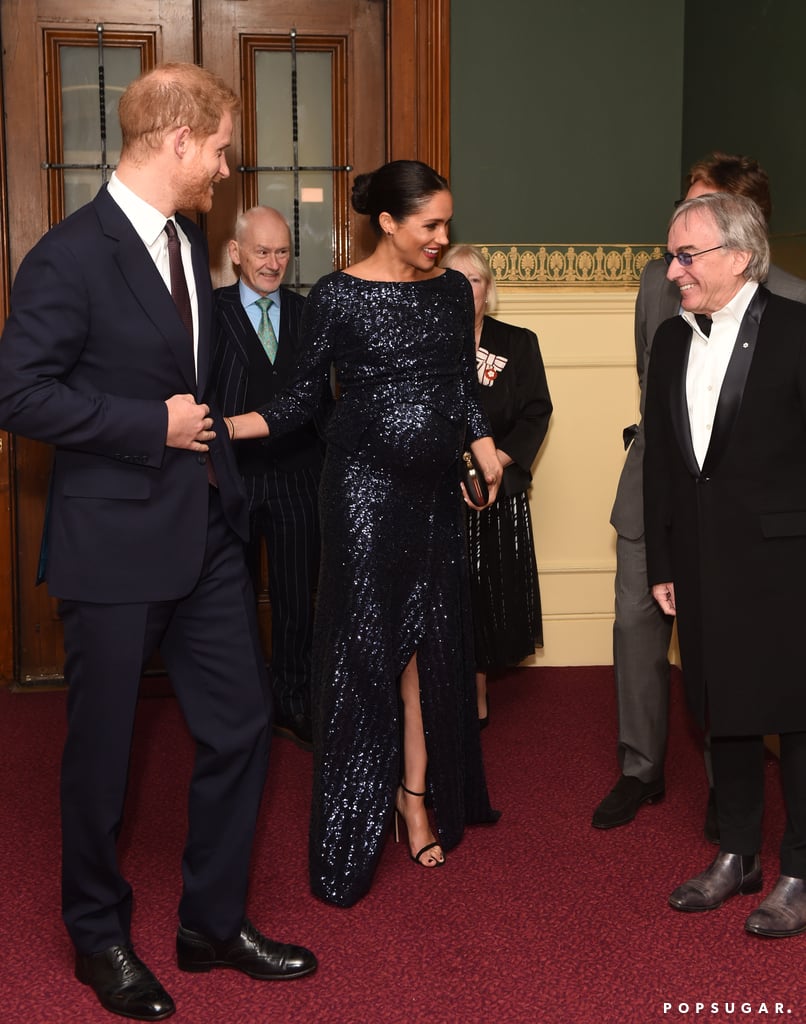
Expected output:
(418, 82)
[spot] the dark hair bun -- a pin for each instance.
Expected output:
(399, 188)
(360, 198)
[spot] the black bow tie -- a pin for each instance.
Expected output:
(704, 323)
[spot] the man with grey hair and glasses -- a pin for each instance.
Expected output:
(725, 516)
(641, 633)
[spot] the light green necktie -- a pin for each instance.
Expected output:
(265, 331)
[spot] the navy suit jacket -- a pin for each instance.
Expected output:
(91, 350)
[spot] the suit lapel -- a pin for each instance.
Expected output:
(286, 350)
(678, 402)
(250, 348)
(730, 395)
(143, 279)
(241, 335)
(204, 302)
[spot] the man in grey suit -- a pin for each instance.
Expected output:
(641, 631)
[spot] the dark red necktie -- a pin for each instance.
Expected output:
(179, 293)
(179, 285)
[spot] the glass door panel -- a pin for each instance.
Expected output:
(86, 71)
(90, 130)
(294, 130)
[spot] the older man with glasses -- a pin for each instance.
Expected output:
(725, 514)
(641, 633)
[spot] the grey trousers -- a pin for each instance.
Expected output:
(641, 635)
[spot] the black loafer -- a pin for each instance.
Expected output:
(123, 984)
(621, 804)
(249, 952)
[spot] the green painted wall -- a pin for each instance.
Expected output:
(745, 92)
(566, 119)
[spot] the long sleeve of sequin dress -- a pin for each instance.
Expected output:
(393, 579)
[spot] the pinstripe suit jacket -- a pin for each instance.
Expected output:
(236, 350)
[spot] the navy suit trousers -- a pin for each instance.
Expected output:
(209, 644)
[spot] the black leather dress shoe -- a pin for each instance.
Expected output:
(250, 952)
(783, 913)
(621, 804)
(296, 728)
(123, 984)
(730, 874)
(711, 827)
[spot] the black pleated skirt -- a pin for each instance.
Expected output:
(505, 593)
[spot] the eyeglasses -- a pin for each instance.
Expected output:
(685, 259)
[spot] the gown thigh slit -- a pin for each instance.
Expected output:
(393, 574)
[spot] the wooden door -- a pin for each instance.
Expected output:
(345, 38)
(388, 65)
(294, 139)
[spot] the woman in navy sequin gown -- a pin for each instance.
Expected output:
(393, 670)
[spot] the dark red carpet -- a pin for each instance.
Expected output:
(539, 918)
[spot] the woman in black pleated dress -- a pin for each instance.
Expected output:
(503, 569)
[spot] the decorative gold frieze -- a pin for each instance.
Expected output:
(563, 265)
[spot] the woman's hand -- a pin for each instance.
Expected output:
(490, 466)
(247, 426)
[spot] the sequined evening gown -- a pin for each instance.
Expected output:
(393, 578)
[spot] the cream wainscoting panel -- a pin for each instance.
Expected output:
(586, 339)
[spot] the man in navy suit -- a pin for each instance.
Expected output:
(145, 534)
(281, 475)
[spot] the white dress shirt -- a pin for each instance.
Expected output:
(708, 360)
(149, 224)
